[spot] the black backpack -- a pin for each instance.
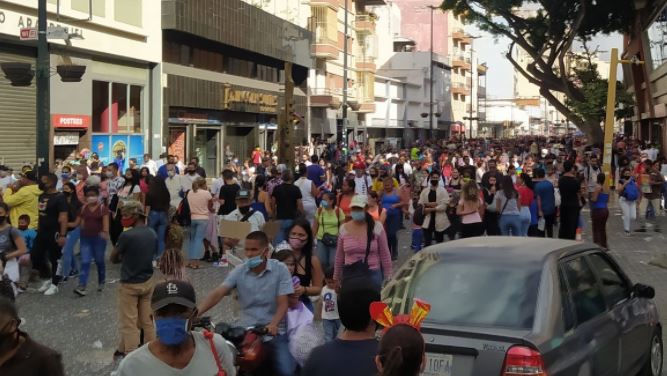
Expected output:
(183, 215)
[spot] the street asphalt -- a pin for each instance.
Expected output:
(84, 329)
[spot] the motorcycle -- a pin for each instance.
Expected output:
(246, 344)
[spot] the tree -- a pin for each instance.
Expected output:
(546, 34)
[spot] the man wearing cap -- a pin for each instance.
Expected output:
(177, 349)
(22, 198)
(262, 285)
(134, 251)
(245, 213)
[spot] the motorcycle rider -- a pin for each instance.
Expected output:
(263, 285)
(177, 349)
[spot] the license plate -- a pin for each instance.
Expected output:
(438, 365)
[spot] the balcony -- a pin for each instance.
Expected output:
(460, 88)
(324, 97)
(365, 63)
(458, 34)
(460, 61)
(333, 4)
(481, 91)
(481, 69)
(323, 47)
(365, 23)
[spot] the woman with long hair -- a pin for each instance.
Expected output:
(600, 211)
(69, 263)
(172, 262)
(491, 215)
(201, 203)
(145, 178)
(308, 268)
(470, 209)
(391, 203)
(326, 226)
(308, 192)
(353, 239)
(261, 200)
(93, 220)
(455, 182)
(157, 209)
(508, 207)
(375, 209)
(345, 197)
(402, 352)
(524, 185)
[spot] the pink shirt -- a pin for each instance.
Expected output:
(351, 249)
(199, 203)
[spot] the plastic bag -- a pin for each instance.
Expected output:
(304, 339)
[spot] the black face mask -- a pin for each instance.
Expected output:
(244, 209)
(434, 182)
(67, 194)
(3, 220)
(374, 175)
(42, 187)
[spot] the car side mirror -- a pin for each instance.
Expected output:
(640, 290)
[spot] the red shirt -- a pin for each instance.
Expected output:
(526, 195)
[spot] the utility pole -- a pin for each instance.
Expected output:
(430, 69)
(43, 100)
(470, 118)
(285, 146)
(345, 30)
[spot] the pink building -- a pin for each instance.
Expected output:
(416, 25)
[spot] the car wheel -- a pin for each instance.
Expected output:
(653, 365)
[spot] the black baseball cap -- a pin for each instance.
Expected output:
(243, 194)
(173, 292)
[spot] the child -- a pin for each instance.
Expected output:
(330, 317)
(172, 262)
(417, 212)
(25, 265)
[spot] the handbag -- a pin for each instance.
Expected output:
(183, 215)
(358, 269)
(328, 239)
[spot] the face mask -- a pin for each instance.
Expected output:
(192, 172)
(92, 199)
(67, 194)
(296, 243)
(108, 174)
(3, 220)
(65, 175)
(23, 228)
(434, 182)
(324, 204)
(172, 331)
(244, 209)
(358, 216)
(171, 173)
(127, 222)
(254, 262)
(374, 175)
(42, 187)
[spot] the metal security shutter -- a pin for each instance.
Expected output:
(17, 117)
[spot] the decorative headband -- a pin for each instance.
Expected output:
(381, 313)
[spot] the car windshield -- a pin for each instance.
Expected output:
(474, 293)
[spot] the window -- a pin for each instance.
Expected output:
(99, 7)
(117, 107)
(128, 11)
(583, 290)
(614, 287)
(657, 39)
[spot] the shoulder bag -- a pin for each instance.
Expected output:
(359, 269)
(329, 240)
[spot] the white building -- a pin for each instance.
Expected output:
(116, 106)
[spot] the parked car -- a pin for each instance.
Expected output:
(513, 306)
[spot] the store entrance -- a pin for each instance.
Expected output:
(207, 149)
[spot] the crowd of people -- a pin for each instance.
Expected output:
(322, 239)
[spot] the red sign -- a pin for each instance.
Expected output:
(60, 121)
(28, 33)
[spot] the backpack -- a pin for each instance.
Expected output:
(630, 192)
(183, 215)
(418, 216)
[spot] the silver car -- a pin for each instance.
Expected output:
(510, 306)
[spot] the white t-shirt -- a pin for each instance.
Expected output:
(143, 362)
(329, 304)
(305, 186)
(362, 185)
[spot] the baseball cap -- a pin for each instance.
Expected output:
(173, 292)
(359, 201)
(4, 168)
(29, 174)
(243, 194)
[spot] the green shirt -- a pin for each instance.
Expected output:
(328, 223)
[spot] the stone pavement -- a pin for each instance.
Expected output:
(84, 329)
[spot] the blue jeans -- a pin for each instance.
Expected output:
(510, 222)
(283, 362)
(417, 239)
(92, 247)
(196, 239)
(331, 328)
(377, 277)
(157, 220)
(69, 261)
(327, 255)
(525, 220)
(281, 236)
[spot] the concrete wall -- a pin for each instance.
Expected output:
(416, 25)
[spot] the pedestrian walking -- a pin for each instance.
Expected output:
(600, 211)
(508, 207)
(470, 209)
(200, 201)
(570, 193)
(628, 194)
(93, 222)
(326, 227)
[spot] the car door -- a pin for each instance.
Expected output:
(596, 334)
(626, 310)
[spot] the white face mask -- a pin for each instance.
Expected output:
(109, 174)
(171, 173)
(92, 199)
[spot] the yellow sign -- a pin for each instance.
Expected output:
(249, 101)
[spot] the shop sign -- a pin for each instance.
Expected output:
(61, 121)
(249, 101)
(66, 138)
(13, 23)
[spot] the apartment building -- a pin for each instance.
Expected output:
(114, 108)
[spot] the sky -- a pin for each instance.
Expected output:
(500, 74)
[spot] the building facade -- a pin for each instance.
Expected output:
(224, 68)
(112, 109)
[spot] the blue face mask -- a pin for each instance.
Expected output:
(358, 216)
(254, 262)
(65, 175)
(172, 331)
(324, 204)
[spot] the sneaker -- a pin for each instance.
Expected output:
(45, 286)
(52, 290)
(74, 273)
(100, 287)
(207, 257)
(154, 264)
(627, 233)
(117, 355)
(224, 263)
(81, 291)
